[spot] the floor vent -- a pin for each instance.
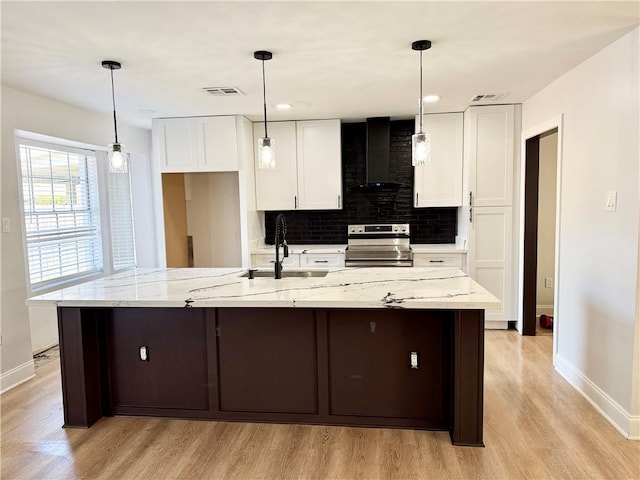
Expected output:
(488, 97)
(222, 91)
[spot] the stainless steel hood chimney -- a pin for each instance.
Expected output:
(377, 162)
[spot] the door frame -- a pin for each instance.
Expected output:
(539, 129)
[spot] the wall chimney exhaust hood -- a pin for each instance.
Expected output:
(377, 162)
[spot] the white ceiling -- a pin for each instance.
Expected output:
(350, 60)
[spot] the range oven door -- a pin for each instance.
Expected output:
(375, 256)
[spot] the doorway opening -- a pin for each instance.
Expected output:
(541, 162)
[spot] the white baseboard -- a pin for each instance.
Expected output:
(617, 416)
(17, 376)
(496, 325)
(544, 309)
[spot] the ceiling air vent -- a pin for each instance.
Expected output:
(222, 91)
(488, 97)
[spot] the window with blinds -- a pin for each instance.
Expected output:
(61, 213)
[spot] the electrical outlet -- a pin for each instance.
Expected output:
(548, 282)
(6, 225)
(612, 201)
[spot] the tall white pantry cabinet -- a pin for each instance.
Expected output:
(490, 148)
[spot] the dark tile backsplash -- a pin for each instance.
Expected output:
(428, 225)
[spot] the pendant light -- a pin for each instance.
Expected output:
(117, 154)
(420, 141)
(266, 145)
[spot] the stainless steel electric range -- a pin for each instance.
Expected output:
(378, 246)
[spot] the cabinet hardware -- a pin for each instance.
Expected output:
(339, 205)
(372, 327)
(436, 261)
(295, 201)
(144, 353)
(417, 199)
(470, 199)
(217, 330)
(413, 360)
(471, 207)
(321, 261)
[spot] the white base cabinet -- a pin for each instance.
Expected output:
(438, 260)
(317, 260)
(263, 260)
(308, 173)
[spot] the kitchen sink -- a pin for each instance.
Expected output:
(289, 274)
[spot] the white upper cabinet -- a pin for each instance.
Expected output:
(440, 183)
(175, 144)
(308, 174)
(276, 189)
(490, 150)
(197, 144)
(319, 165)
(217, 143)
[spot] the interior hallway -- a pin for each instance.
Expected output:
(536, 426)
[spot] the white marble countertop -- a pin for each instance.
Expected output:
(423, 287)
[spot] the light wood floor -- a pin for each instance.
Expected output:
(536, 426)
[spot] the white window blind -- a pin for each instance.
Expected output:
(121, 221)
(61, 213)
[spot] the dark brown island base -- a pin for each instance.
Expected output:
(390, 367)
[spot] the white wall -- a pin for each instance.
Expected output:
(546, 221)
(31, 113)
(598, 258)
(213, 219)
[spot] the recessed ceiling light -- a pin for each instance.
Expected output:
(431, 98)
(283, 106)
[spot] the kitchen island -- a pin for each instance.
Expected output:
(387, 347)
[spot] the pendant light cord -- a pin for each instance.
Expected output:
(264, 97)
(420, 99)
(113, 98)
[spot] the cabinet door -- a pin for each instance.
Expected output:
(370, 364)
(490, 256)
(322, 260)
(262, 260)
(175, 143)
(490, 151)
(440, 183)
(175, 372)
(319, 165)
(217, 144)
(267, 360)
(276, 189)
(437, 260)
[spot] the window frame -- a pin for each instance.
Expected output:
(104, 218)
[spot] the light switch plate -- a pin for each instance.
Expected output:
(6, 225)
(612, 201)
(548, 282)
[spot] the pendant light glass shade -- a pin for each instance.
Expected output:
(421, 149)
(118, 158)
(266, 153)
(420, 141)
(266, 145)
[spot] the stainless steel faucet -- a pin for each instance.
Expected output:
(280, 241)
